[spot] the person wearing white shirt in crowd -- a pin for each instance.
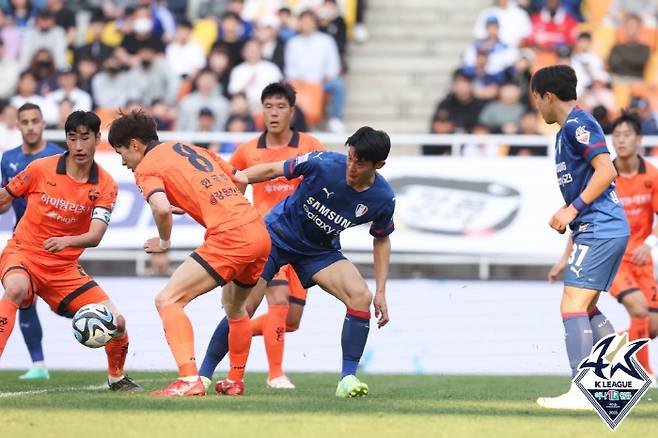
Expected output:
(585, 62)
(45, 35)
(501, 56)
(312, 56)
(254, 74)
(207, 94)
(514, 22)
(10, 135)
(185, 58)
(26, 92)
(80, 100)
(8, 73)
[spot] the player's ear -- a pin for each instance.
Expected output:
(380, 165)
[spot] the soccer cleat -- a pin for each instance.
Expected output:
(125, 385)
(573, 399)
(227, 387)
(281, 382)
(35, 373)
(206, 382)
(181, 388)
(350, 386)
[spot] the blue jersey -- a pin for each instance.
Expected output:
(14, 161)
(310, 220)
(578, 142)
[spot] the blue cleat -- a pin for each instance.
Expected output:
(35, 373)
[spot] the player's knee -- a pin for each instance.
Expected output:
(292, 326)
(639, 312)
(163, 300)
(15, 293)
(121, 325)
(360, 299)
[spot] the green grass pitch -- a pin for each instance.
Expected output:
(73, 404)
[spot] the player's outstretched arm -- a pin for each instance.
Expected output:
(382, 256)
(90, 239)
(264, 172)
(5, 200)
(562, 263)
(161, 209)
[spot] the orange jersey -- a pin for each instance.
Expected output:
(197, 181)
(57, 205)
(267, 194)
(639, 196)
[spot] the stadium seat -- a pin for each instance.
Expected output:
(622, 94)
(603, 38)
(310, 97)
(204, 33)
(544, 58)
(647, 36)
(595, 11)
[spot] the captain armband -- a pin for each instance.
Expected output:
(102, 214)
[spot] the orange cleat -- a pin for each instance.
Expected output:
(230, 388)
(181, 388)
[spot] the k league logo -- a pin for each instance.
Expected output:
(611, 379)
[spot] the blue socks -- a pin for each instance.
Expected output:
(28, 320)
(578, 337)
(601, 326)
(217, 349)
(353, 339)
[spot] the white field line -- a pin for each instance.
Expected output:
(67, 389)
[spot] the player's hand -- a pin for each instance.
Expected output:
(177, 210)
(240, 177)
(562, 218)
(556, 271)
(381, 310)
(56, 244)
(153, 246)
(641, 254)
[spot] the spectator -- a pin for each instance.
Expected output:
(207, 94)
(219, 63)
(629, 59)
(64, 18)
(441, 124)
(96, 49)
(360, 31)
(43, 68)
(247, 29)
(45, 35)
(206, 123)
(164, 24)
(22, 13)
(332, 23)
(312, 56)
(253, 75)
(140, 35)
(68, 90)
(235, 123)
(599, 93)
(602, 117)
(272, 46)
(523, 72)
(288, 25)
(501, 56)
(185, 58)
(64, 109)
(8, 73)
(11, 37)
(87, 68)
(461, 106)
(26, 92)
(643, 9)
(231, 37)
(585, 62)
(240, 107)
(528, 125)
(10, 135)
(485, 85)
(498, 115)
(164, 115)
(553, 27)
(151, 79)
(649, 118)
(513, 21)
(571, 6)
(483, 146)
(110, 84)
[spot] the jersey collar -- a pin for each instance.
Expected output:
(641, 169)
(293, 143)
(61, 169)
(151, 146)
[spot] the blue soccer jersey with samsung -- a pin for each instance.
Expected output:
(305, 227)
(15, 161)
(600, 231)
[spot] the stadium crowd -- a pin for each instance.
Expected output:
(196, 65)
(612, 45)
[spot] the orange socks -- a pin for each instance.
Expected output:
(239, 342)
(180, 336)
(7, 319)
(116, 351)
(274, 332)
(257, 325)
(640, 329)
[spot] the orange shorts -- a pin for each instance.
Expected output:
(288, 277)
(65, 287)
(631, 278)
(236, 255)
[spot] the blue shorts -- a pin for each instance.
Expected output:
(593, 263)
(306, 266)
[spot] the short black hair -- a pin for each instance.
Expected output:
(280, 89)
(136, 124)
(560, 80)
(82, 118)
(29, 106)
(370, 144)
(461, 74)
(230, 14)
(631, 118)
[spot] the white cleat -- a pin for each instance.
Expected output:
(206, 382)
(281, 382)
(573, 399)
(654, 384)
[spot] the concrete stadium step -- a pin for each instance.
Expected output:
(397, 81)
(408, 64)
(409, 48)
(397, 5)
(397, 109)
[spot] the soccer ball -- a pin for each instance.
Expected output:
(94, 325)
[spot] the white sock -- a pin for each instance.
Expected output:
(190, 379)
(39, 364)
(113, 379)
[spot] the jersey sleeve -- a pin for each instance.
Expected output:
(654, 191)
(149, 181)
(3, 171)
(227, 168)
(108, 195)
(383, 225)
(587, 138)
(24, 182)
(239, 159)
(302, 165)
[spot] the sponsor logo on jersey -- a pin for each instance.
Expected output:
(327, 192)
(574, 120)
(94, 194)
(14, 166)
(360, 210)
(582, 135)
(317, 212)
(612, 379)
